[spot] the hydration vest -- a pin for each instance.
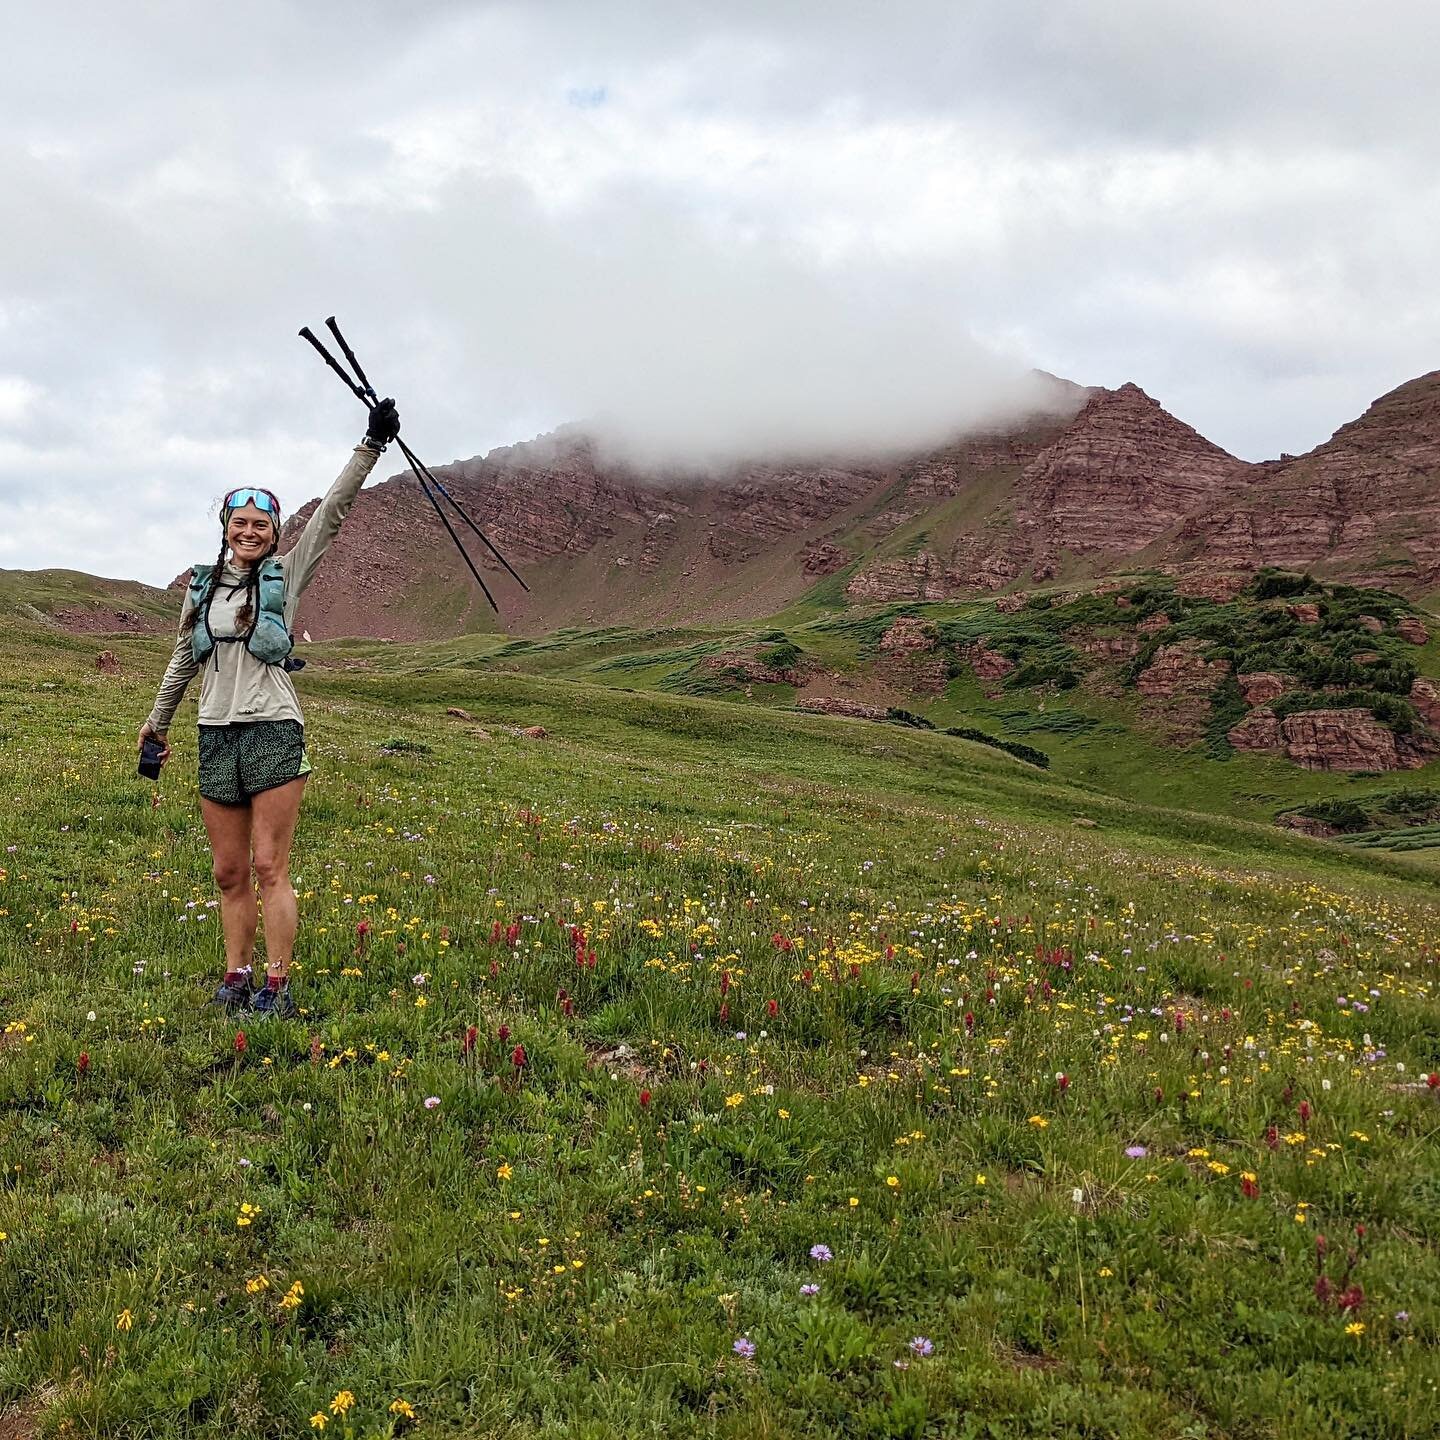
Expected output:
(268, 640)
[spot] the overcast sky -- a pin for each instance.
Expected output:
(712, 228)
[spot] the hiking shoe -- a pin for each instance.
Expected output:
(233, 996)
(276, 1003)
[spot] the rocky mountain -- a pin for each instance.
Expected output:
(1098, 482)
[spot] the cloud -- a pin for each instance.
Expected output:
(707, 230)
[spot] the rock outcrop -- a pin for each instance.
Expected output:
(1350, 739)
(834, 705)
(1177, 686)
(1413, 630)
(1259, 687)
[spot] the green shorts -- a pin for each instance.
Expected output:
(238, 761)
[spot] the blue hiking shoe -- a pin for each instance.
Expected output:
(275, 1003)
(233, 994)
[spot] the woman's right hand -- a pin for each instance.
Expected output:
(149, 732)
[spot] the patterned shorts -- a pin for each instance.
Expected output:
(239, 761)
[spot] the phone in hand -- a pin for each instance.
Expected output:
(150, 753)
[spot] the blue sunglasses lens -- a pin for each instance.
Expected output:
(260, 499)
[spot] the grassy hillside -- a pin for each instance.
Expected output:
(868, 1082)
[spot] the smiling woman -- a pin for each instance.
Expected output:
(235, 628)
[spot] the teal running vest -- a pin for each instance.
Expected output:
(268, 640)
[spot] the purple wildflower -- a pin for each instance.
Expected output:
(821, 1253)
(744, 1347)
(921, 1346)
(808, 1290)
(432, 1102)
(1136, 1152)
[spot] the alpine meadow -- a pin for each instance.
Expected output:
(696, 1068)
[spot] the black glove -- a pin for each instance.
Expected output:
(384, 425)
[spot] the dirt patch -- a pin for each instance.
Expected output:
(22, 1423)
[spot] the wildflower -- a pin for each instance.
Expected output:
(921, 1346)
(517, 1057)
(809, 1290)
(979, 1179)
(503, 1034)
(854, 1202)
(240, 1042)
(257, 1285)
(124, 1320)
(344, 1401)
(319, 1420)
(468, 1043)
(1136, 1152)
(744, 1347)
(644, 1099)
(893, 1181)
(1355, 1327)
(1062, 1082)
(432, 1102)
(82, 1062)
(822, 1253)
(505, 1171)
(1039, 1122)
(1104, 1272)
(292, 1297)
(403, 1408)
(731, 1101)
(1249, 1186)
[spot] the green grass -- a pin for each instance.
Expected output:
(837, 969)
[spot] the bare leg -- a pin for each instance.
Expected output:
(229, 830)
(276, 812)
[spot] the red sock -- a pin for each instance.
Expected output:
(273, 982)
(234, 977)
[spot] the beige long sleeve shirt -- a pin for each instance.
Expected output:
(236, 687)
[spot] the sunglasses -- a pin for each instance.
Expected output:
(249, 495)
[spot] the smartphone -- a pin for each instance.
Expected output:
(150, 753)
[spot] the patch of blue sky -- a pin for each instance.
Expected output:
(587, 97)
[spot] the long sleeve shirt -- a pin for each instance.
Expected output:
(235, 686)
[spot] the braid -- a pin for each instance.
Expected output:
(194, 615)
(245, 616)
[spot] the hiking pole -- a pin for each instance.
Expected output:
(307, 334)
(415, 463)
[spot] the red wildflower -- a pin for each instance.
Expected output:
(494, 968)
(1321, 1244)
(808, 975)
(1249, 1188)
(495, 933)
(503, 1034)
(1322, 1289)
(1351, 1298)
(1179, 1022)
(1272, 1137)
(969, 1022)
(1304, 1111)
(1433, 1080)
(517, 1057)
(1063, 1081)
(512, 933)
(82, 1062)
(772, 1009)
(644, 1099)
(568, 1006)
(362, 930)
(889, 952)
(240, 1042)
(914, 981)
(468, 1043)
(1159, 1095)
(724, 1011)
(724, 983)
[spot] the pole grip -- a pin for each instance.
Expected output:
(306, 333)
(344, 344)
